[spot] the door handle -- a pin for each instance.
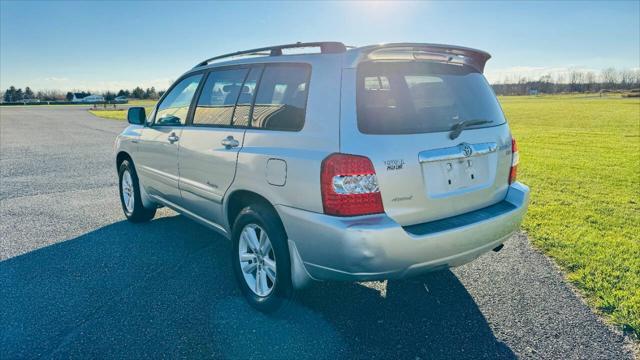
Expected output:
(229, 142)
(173, 138)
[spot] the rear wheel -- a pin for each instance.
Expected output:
(260, 258)
(130, 197)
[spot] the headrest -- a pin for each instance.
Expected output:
(231, 88)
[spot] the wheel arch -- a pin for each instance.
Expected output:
(146, 200)
(239, 199)
(122, 156)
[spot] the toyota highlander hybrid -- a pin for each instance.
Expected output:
(326, 162)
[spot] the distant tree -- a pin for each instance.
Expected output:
(69, 96)
(51, 95)
(57, 95)
(560, 83)
(160, 93)
(546, 84)
(636, 78)
(28, 93)
(590, 81)
(609, 77)
(626, 78)
(121, 93)
(10, 94)
(108, 96)
(138, 93)
(19, 95)
(576, 80)
(150, 93)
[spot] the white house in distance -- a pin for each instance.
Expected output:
(77, 98)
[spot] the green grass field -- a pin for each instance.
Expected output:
(110, 114)
(121, 114)
(145, 103)
(581, 157)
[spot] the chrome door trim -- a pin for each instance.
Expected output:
(158, 173)
(460, 151)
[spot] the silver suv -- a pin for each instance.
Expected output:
(368, 163)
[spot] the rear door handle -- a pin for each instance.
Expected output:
(173, 138)
(229, 142)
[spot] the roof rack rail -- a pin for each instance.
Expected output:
(326, 47)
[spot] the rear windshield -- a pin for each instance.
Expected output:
(422, 97)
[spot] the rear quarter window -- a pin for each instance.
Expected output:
(281, 100)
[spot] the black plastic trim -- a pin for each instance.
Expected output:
(457, 221)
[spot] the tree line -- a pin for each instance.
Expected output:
(608, 79)
(13, 94)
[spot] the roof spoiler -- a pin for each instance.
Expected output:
(436, 52)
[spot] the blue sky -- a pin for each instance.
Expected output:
(112, 45)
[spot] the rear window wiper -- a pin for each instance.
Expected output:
(457, 128)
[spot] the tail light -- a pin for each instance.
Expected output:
(349, 186)
(514, 161)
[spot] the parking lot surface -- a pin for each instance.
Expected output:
(77, 280)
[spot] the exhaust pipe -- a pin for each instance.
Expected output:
(498, 248)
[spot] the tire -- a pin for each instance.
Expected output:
(262, 219)
(130, 198)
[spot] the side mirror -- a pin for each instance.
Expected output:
(136, 115)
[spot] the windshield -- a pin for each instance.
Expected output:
(423, 97)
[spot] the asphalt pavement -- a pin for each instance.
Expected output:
(79, 281)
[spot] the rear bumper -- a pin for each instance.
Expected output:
(375, 247)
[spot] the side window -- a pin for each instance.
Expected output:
(282, 98)
(219, 95)
(243, 108)
(175, 106)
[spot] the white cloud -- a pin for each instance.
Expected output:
(56, 79)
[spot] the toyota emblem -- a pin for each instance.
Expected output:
(467, 150)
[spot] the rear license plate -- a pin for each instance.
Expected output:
(444, 177)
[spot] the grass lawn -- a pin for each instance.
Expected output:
(145, 103)
(121, 114)
(110, 114)
(581, 157)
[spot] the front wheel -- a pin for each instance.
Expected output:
(130, 197)
(260, 258)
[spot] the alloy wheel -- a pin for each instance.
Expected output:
(257, 260)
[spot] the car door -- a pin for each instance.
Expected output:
(157, 157)
(209, 146)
